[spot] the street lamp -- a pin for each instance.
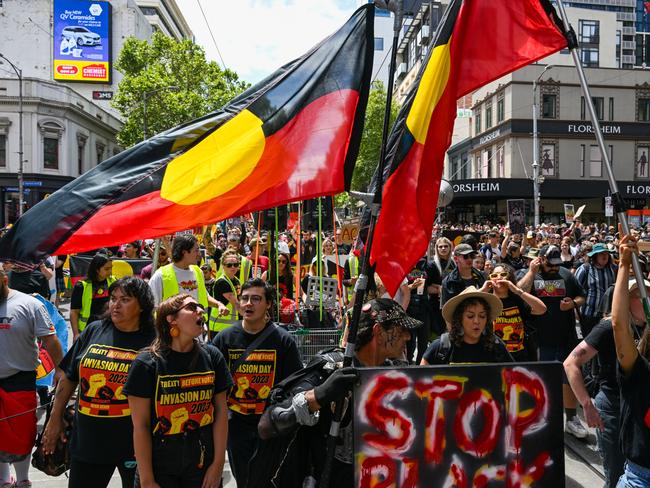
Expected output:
(145, 96)
(536, 176)
(19, 73)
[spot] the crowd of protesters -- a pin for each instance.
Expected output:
(171, 369)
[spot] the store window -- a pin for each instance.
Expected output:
(50, 153)
(643, 113)
(379, 43)
(501, 109)
(595, 162)
(582, 159)
(488, 115)
(599, 106)
(477, 121)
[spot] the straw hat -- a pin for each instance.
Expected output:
(472, 292)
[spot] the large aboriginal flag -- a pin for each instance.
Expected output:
(477, 42)
(295, 135)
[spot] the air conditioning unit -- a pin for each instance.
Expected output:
(401, 70)
(424, 35)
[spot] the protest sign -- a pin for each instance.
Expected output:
(461, 425)
(517, 216)
(579, 212)
(569, 213)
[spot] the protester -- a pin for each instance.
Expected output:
(350, 275)
(305, 398)
(226, 290)
(443, 259)
(421, 283)
(634, 375)
(90, 296)
(99, 361)
(254, 345)
(514, 325)
(470, 339)
(235, 243)
(492, 249)
(179, 432)
(463, 275)
(28, 281)
(23, 320)
(163, 260)
(556, 329)
(566, 254)
(131, 250)
(279, 273)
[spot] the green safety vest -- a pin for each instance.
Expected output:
(244, 269)
(218, 323)
(354, 273)
(170, 284)
(87, 301)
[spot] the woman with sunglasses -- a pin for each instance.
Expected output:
(225, 290)
(279, 273)
(513, 325)
(98, 362)
(177, 394)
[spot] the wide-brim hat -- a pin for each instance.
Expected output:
(472, 292)
(382, 310)
(598, 248)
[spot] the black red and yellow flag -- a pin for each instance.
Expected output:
(293, 136)
(477, 42)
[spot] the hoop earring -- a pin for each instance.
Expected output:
(267, 316)
(174, 332)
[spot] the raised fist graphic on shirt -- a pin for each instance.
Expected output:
(95, 382)
(178, 418)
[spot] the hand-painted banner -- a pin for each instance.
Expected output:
(462, 426)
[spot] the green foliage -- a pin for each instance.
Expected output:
(165, 62)
(368, 158)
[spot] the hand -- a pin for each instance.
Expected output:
(150, 484)
(487, 287)
(592, 416)
(534, 265)
(75, 335)
(212, 476)
(626, 248)
(223, 310)
(566, 304)
(53, 433)
(336, 386)
(512, 287)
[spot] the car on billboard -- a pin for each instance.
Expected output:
(81, 36)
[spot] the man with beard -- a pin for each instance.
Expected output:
(556, 329)
(463, 276)
(23, 319)
(293, 452)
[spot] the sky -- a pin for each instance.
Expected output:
(256, 37)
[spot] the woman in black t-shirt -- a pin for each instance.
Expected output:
(634, 374)
(98, 279)
(513, 325)
(177, 394)
(99, 361)
(470, 339)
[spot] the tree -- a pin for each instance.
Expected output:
(370, 148)
(165, 62)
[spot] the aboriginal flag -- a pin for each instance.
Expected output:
(293, 136)
(477, 42)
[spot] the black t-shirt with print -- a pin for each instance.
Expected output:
(513, 324)
(271, 362)
(181, 386)
(99, 303)
(635, 413)
(601, 338)
(468, 353)
(99, 361)
(556, 327)
(221, 287)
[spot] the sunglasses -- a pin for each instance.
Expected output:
(499, 275)
(231, 265)
(254, 299)
(192, 307)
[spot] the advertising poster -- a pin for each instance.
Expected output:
(517, 216)
(82, 41)
(462, 426)
(569, 213)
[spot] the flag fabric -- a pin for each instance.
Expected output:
(646, 6)
(295, 135)
(477, 42)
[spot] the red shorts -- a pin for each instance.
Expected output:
(17, 434)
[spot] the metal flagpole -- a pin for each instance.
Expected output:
(395, 6)
(617, 199)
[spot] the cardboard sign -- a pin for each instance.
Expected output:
(609, 207)
(469, 425)
(579, 212)
(517, 216)
(349, 233)
(569, 213)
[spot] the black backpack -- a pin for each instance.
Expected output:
(446, 349)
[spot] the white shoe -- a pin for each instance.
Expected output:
(575, 428)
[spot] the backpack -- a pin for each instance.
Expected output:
(446, 349)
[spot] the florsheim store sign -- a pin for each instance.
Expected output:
(577, 128)
(82, 41)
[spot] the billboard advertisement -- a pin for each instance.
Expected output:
(82, 41)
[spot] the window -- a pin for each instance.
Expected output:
(3, 150)
(100, 152)
(548, 106)
(501, 110)
(589, 32)
(501, 168)
(589, 57)
(611, 108)
(412, 53)
(50, 153)
(642, 154)
(465, 168)
(379, 43)
(80, 159)
(595, 162)
(582, 160)
(477, 122)
(643, 114)
(488, 163)
(488, 115)
(599, 106)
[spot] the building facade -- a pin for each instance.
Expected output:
(68, 126)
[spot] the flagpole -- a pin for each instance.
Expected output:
(395, 6)
(617, 199)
